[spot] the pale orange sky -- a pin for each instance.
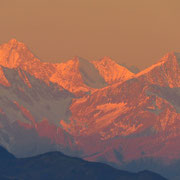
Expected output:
(137, 32)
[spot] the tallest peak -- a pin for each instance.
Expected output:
(14, 53)
(15, 42)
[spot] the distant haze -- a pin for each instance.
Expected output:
(135, 32)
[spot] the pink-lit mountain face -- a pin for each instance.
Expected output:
(97, 110)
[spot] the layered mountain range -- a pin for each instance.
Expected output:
(97, 110)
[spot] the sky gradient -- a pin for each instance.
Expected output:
(135, 32)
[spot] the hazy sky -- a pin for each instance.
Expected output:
(137, 32)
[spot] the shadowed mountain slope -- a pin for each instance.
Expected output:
(57, 166)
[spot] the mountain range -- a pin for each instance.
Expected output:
(97, 110)
(57, 166)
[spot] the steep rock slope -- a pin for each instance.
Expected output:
(164, 73)
(138, 118)
(78, 76)
(111, 71)
(30, 111)
(15, 54)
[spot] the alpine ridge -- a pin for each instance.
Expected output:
(78, 75)
(96, 110)
(111, 71)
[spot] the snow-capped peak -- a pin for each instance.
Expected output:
(111, 71)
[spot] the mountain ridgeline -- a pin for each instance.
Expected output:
(96, 110)
(57, 166)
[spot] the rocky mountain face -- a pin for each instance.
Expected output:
(77, 75)
(97, 110)
(111, 71)
(29, 108)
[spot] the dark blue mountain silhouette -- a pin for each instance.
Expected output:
(57, 166)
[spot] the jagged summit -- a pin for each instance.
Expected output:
(15, 44)
(169, 58)
(111, 71)
(14, 41)
(79, 74)
(166, 72)
(106, 59)
(14, 53)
